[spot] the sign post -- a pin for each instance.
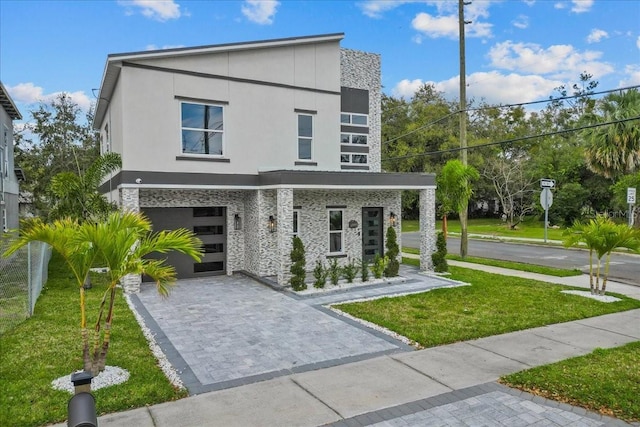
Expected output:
(631, 200)
(546, 200)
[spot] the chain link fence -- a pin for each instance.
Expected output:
(22, 276)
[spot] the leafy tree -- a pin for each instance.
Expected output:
(614, 150)
(298, 264)
(120, 242)
(77, 196)
(320, 274)
(392, 268)
(454, 189)
(569, 202)
(601, 236)
(439, 257)
(64, 141)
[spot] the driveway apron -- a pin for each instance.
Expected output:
(225, 331)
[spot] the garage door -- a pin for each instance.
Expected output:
(208, 223)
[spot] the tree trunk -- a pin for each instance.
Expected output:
(606, 274)
(591, 271)
(444, 225)
(464, 239)
(86, 358)
(596, 288)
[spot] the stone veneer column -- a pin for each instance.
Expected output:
(427, 227)
(284, 208)
(130, 201)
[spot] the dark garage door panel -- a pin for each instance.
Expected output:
(210, 229)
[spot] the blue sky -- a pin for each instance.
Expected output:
(517, 50)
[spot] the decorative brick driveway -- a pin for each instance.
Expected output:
(224, 331)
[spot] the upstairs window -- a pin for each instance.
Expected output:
(336, 232)
(353, 138)
(357, 159)
(202, 129)
(296, 222)
(353, 119)
(305, 136)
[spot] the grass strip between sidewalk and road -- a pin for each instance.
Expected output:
(492, 305)
(513, 265)
(48, 345)
(605, 381)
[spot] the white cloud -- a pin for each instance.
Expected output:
(166, 46)
(159, 10)
(522, 22)
(375, 8)
(28, 93)
(558, 61)
(445, 24)
(638, 42)
(581, 6)
(559, 5)
(632, 76)
(529, 2)
(596, 35)
(492, 87)
(436, 26)
(260, 11)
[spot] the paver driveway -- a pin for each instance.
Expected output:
(223, 331)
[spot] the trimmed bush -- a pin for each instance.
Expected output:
(350, 270)
(334, 272)
(320, 274)
(393, 266)
(364, 270)
(298, 264)
(379, 266)
(439, 256)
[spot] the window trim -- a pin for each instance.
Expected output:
(350, 122)
(298, 158)
(351, 162)
(296, 223)
(341, 232)
(222, 132)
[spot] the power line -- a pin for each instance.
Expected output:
(509, 141)
(507, 106)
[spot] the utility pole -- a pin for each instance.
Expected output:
(464, 209)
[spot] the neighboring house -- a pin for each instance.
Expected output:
(9, 174)
(249, 144)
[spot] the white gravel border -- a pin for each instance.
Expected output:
(379, 328)
(167, 368)
(112, 375)
(343, 284)
(588, 294)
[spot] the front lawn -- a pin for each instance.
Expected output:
(605, 381)
(492, 305)
(47, 346)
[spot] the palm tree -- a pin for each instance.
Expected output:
(602, 236)
(454, 191)
(120, 242)
(76, 195)
(614, 150)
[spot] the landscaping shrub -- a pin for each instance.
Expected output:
(334, 272)
(298, 264)
(379, 265)
(320, 274)
(393, 266)
(364, 270)
(439, 257)
(350, 270)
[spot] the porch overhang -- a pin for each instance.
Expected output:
(295, 179)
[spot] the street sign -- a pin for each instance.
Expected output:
(631, 195)
(547, 183)
(546, 198)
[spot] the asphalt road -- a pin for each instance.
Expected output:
(624, 268)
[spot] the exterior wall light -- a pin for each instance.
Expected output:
(272, 224)
(237, 222)
(392, 219)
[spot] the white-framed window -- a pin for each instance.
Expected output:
(202, 128)
(106, 139)
(336, 231)
(356, 159)
(296, 222)
(305, 137)
(353, 138)
(354, 119)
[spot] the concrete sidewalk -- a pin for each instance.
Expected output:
(452, 385)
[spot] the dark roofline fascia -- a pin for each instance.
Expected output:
(8, 104)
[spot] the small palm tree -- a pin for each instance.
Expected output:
(602, 236)
(121, 242)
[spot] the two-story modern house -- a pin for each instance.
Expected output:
(249, 144)
(9, 185)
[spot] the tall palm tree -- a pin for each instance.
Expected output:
(454, 191)
(76, 195)
(120, 242)
(614, 150)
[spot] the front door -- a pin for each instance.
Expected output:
(372, 242)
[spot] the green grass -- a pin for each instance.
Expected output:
(531, 268)
(492, 305)
(495, 228)
(47, 346)
(606, 381)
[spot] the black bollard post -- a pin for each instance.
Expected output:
(81, 409)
